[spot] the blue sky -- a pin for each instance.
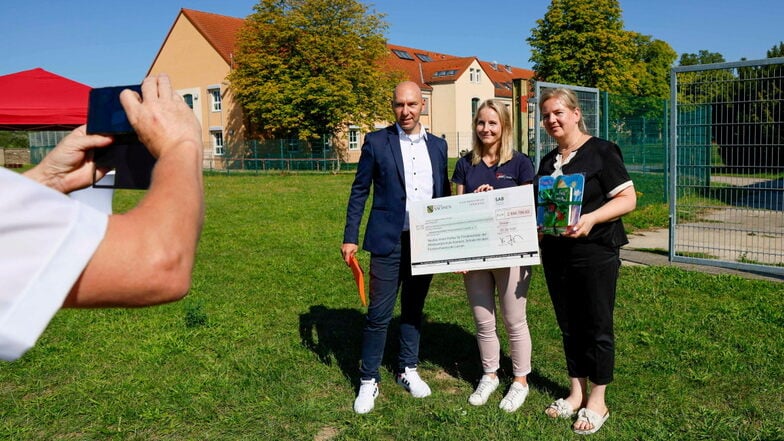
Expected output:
(105, 43)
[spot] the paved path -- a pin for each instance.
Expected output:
(658, 240)
(725, 232)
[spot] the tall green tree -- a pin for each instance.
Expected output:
(583, 43)
(655, 58)
(308, 68)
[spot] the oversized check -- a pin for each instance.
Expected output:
(492, 229)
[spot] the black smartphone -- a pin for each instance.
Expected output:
(127, 156)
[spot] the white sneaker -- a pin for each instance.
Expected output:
(486, 387)
(514, 398)
(411, 382)
(368, 391)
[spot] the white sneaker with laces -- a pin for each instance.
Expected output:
(368, 391)
(515, 397)
(411, 382)
(486, 387)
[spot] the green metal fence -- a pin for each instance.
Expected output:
(639, 125)
(277, 155)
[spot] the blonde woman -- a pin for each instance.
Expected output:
(493, 163)
(581, 266)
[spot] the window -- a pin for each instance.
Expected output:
(474, 106)
(474, 75)
(402, 54)
(444, 73)
(188, 98)
(424, 58)
(353, 139)
(215, 99)
(217, 142)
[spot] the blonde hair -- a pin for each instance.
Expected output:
(506, 150)
(569, 99)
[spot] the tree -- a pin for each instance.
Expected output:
(308, 68)
(657, 58)
(752, 115)
(776, 51)
(584, 43)
(703, 57)
(654, 60)
(13, 140)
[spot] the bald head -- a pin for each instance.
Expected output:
(407, 103)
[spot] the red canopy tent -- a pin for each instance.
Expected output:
(39, 100)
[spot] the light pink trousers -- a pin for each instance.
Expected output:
(512, 285)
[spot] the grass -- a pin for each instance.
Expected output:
(266, 347)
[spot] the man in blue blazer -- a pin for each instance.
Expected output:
(403, 163)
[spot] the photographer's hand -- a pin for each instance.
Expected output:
(69, 167)
(162, 120)
(158, 237)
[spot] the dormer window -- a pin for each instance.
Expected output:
(402, 54)
(445, 73)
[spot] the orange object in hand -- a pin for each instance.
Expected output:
(359, 277)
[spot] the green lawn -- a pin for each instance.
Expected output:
(266, 347)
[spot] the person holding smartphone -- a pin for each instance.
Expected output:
(56, 251)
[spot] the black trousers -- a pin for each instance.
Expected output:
(581, 278)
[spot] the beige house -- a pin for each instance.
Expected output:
(198, 55)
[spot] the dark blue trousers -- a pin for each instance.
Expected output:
(387, 275)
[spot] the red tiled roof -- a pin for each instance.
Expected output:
(221, 32)
(415, 68)
(424, 72)
(502, 76)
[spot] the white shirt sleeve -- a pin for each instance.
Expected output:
(46, 241)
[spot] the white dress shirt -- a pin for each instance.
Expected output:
(417, 166)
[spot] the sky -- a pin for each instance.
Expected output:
(109, 43)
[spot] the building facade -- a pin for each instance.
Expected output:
(198, 55)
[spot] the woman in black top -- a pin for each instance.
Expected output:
(581, 265)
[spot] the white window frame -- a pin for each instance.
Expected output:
(217, 142)
(475, 75)
(353, 138)
(215, 99)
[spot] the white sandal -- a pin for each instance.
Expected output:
(562, 409)
(594, 419)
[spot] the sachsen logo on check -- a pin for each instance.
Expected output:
(434, 208)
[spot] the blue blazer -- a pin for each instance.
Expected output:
(381, 164)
